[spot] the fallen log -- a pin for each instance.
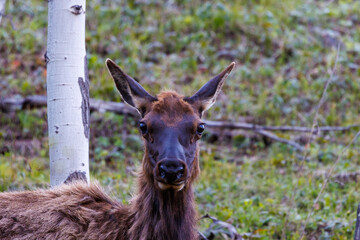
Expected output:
(38, 101)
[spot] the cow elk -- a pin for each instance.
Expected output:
(163, 207)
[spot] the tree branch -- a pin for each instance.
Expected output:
(278, 139)
(254, 127)
(37, 101)
(220, 226)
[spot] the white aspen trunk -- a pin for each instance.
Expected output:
(67, 90)
(2, 8)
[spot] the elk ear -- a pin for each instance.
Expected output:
(206, 96)
(130, 90)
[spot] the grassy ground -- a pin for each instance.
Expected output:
(284, 50)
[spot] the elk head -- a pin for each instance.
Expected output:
(170, 125)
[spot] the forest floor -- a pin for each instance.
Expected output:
(286, 52)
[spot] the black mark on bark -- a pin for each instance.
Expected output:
(77, 9)
(76, 176)
(47, 59)
(85, 104)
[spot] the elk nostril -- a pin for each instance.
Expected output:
(162, 174)
(162, 171)
(171, 171)
(179, 175)
(180, 172)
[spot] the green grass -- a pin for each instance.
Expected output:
(284, 50)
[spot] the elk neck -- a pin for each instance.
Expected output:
(161, 215)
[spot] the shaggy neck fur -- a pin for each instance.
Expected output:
(162, 215)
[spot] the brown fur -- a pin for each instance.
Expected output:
(79, 211)
(174, 105)
(75, 211)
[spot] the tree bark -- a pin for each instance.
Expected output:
(67, 90)
(357, 227)
(2, 8)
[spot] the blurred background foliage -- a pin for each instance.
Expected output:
(285, 51)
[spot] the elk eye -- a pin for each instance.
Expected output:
(200, 129)
(143, 128)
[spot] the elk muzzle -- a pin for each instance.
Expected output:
(171, 173)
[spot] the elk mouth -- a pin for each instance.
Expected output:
(175, 186)
(170, 174)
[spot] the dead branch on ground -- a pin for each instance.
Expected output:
(38, 101)
(219, 227)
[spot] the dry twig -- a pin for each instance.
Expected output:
(328, 175)
(339, 155)
(306, 150)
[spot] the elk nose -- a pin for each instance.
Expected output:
(171, 170)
